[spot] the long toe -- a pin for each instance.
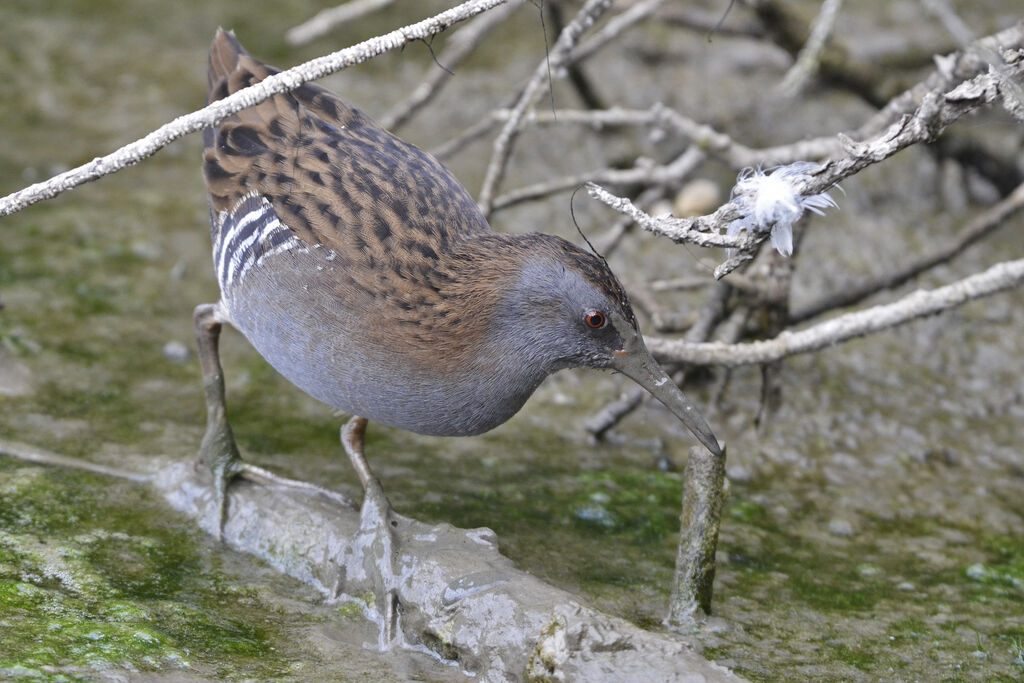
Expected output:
(377, 547)
(219, 454)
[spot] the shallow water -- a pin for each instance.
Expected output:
(875, 528)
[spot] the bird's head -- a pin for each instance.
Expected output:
(567, 309)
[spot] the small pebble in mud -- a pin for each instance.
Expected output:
(697, 197)
(841, 527)
(739, 474)
(664, 463)
(179, 269)
(176, 351)
(147, 251)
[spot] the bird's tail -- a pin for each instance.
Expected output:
(230, 67)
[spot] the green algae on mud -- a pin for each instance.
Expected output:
(91, 581)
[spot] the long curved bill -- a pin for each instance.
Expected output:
(636, 362)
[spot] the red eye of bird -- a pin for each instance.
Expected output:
(595, 319)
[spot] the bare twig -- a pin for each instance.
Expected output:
(1013, 94)
(808, 60)
(212, 114)
(39, 456)
(459, 46)
(708, 22)
(938, 111)
(567, 39)
(788, 29)
(999, 277)
(710, 140)
(612, 238)
(645, 173)
(574, 72)
(615, 27)
(951, 70)
(327, 19)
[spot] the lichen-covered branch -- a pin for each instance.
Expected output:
(918, 304)
(702, 230)
(937, 111)
(981, 226)
(210, 115)
(950, 70)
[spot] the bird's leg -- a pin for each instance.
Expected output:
(376, 541)
(218, 451)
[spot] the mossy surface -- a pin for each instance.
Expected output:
(93, 577)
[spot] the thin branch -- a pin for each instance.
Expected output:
(809, 59)
(709, 139)
(327, 19)
(574, 73)
(212, 114)
(938, 111)
(1013, 94)
(38, 456)
(702, 230)
(556, 60)
(982, 225)
(459, 46)
(950, 70)
(615, 27)
(612, 237)
(709, 23)
(466, 137)
(645, 173)
(919, 304)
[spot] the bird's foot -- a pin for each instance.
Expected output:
(264, 477)
(219, 455)
(376, 545)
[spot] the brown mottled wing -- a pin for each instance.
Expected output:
(333, 176)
